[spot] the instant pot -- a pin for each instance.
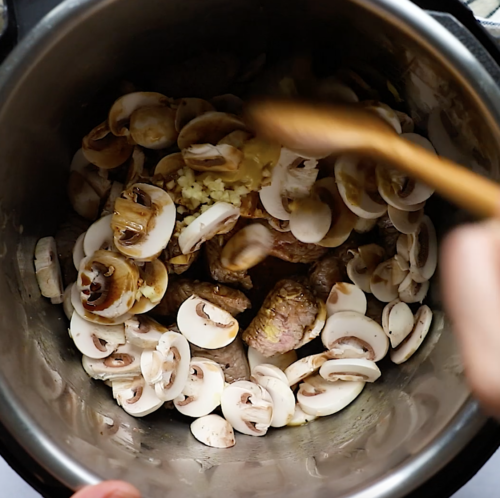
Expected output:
(416, 433)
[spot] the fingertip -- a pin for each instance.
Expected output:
(109, 489)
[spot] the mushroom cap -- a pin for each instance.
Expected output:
(411, 291)
(124, 363)
(78, 252)
(386, 279)
(135, 396)
(169, 165)
(247, 248)
(361, 267)
(332, 88)
(397, 321)
(423, 320)
(144, 332)
(357, 187)
(350, 370)
(346, 297)
(83, 197)
(385, 112)
(214, 431)
(203, 390)
(300, 417)
(423, 251)
(114, 193)
(94, 340)
(136, 167)
(248, 407)
(153, 127)
(108, 284)
(310, 220)
(190, 108)
(143, 221)
(319, 397)
(48, 270)
(353, 335)
(98, 236)
(279, 360)
(363, 225)
(212, 158)
(154, 278)
(206, 325)
(268, 370)
(403, 245)
(67, 304)
(272, 196)
(305, 367)
(405, 222)
(283, 399)
(213, 221)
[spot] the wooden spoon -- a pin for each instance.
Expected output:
(319, 131)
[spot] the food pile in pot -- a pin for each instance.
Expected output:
(243, 284)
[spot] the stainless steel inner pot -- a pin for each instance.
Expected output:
(402, 429)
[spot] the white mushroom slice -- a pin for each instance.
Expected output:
(124, 363)
(402, 263)
(411, 291)
(213, 431)
(154, 277)
(423, 251)
(397, 321)
(83, 197)
(364, 226)
(272, 196)
(135, 396)
(143, 221)
(350, 370)
(237, 138)
(316, 328)
(102, 148)
(213, 221)
(205, 325)
(247, 248)
(305, 367)
(213, 158)
(108, 284)
(153, 127)
(361, 267)
(332, 88)
(190, 108)
(279, 360)
(357, 186)
(403, 246)
(67, 305)
(346, 297)
(114, 193)
(48, 270)
(283, 399)
(170, 165)
(348, 334)
(136, 167)
(98, 180)
(385, 112)
(123, 108)
(423, 320)
(385, 280)
(310, 220)
(209, 128)
(78, 252)
(99, 236)
(405, 222)
(268, 370)
(407, 123)
(248, 407)
(94, 340)
(203, 390)
(319, 397)
(300, 417)
(144, 332)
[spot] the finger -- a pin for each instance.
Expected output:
(108, 489)
(470, 268)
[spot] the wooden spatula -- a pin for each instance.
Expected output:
(317, 131)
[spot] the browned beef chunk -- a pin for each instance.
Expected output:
(175, 261)
(288, 248)
(388, 235)
(325, 273)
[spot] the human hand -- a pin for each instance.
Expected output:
(470, 269)
(108, 489)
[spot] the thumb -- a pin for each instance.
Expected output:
(108, 489)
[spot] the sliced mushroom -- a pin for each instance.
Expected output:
(272, 196)
(82, 196)
(403, 246)
(105, 150)
(214, 220)
(406, 222)
(365, 261)
(208, 128)
(332, 88)
(94, 340)
(407, 123)
(228, 103)
(310, 220)
(144, 332)
(282, 396)
(124, 107)
(213, 158)
(154, 282)
(268, 370)
(356, 181)
(99, 236)
(67, 305)
(143, 221)
(248, 407)
(300, 417)
(411, 291)
(364, 226)
(346, 297)
(190, 108)
(385, 112)
(205, 325)
(214, 431)
(136, 167)
(237, 138)
(203, 390)
(397, 321)
(170, 165)
(423, 320)
(135, 396)
(78, 252)
(280, 360)
(317, 326)
(386, 279)
(319, 397)
(114, 193)
(153, 127)
(124, 363)
(350, 370)
(423, 251)
(98, 180)
(348, 334)
(305, 367)
(48, 270)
